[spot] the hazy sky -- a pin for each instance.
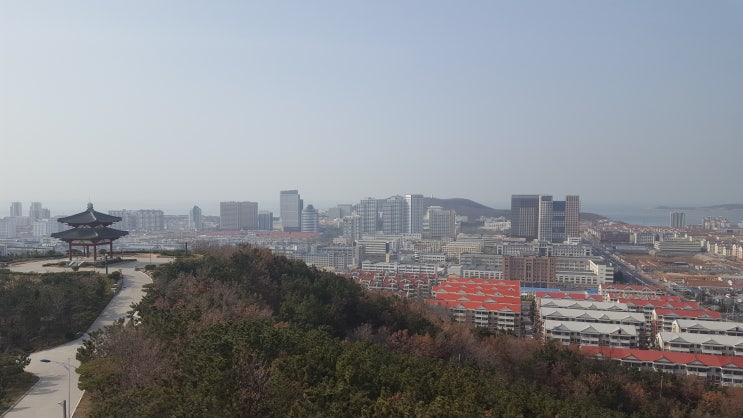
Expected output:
(170, 104)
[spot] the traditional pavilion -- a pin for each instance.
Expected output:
(90, 229)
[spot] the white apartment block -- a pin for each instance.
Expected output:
(455, 248)
(719, 345)
(588, 305)
(600, 317)
(591, 334)
(733, 329)
(396, 268)
(473, 273)
(583, 272)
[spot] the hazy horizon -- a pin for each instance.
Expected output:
(182, 207)
(170, 104)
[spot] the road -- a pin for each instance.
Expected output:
(45, 397)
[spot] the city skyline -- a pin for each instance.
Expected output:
(212, 208)
(188, 103)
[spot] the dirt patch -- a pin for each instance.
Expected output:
(84, 407)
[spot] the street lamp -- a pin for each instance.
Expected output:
(65, 411)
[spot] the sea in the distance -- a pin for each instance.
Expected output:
(661, 217)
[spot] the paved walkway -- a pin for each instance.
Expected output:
(55, 383)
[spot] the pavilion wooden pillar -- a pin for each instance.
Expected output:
(110, 248)
(69, 249)
(95, 252)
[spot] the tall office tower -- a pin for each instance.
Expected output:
(265, 220)
(238, 215)
(35, 211)
(414, 213)
(290, 210)
(525, 216)
(310, 219)
(441, 222)
(393, 215)
(16, 210)
(544, 220)
(369, 212)
(572, 216)
(678, 220)
(352, 228)
(195, 219)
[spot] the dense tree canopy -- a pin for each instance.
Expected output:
(43, 310)
(240, 332)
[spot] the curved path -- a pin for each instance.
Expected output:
(45, 398)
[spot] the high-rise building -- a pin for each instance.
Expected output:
(290, 210)
(310, 219)
(150, 220)
(572, 216)
(678, 220)
(525, 216)
(393, 215)
(414, 213)
(265, 220)
(238, 215)
(146, 220)
(369, 212)
(540, 217)
(16, 210)
(352, 228)
(195, 219)
(441, 223)
(35, 212)
(544, 219)
(9, 227)
(345, 209)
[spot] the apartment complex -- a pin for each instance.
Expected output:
(492, 304)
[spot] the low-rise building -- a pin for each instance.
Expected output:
(663, 318)
(723, 370)
(591, 334)
(734, 329)
(684, 342)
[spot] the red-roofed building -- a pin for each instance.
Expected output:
(494, 304)
(724, 370)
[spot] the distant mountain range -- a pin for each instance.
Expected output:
(474, 210)
(725, 206)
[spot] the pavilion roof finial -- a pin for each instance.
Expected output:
(90, 206)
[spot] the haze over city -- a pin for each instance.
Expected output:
(169, 104)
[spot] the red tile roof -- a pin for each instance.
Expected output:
(657, 355)
(688, 313)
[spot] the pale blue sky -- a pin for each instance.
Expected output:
(167, 104)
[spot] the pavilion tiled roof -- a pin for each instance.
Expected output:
(90, 217)
(85, 233)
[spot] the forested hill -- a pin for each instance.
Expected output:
(239, 332)
(466, 207)
(474, 210)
